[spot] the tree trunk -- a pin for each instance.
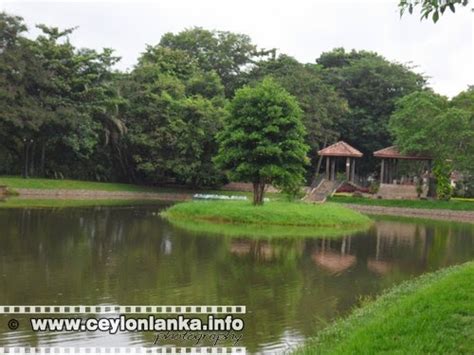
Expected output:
(32, 160)
(258, 192)
(43, 157)
(25, 161)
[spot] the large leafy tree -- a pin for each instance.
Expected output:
(263, 140)
(228, 54)
(322, 106)
(427, 123)
(173, 113)
(371, 85)
(54, 99)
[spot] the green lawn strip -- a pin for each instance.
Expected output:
(430, 314)
(63, 203)
(15, 182)
(454, 204)
(263, 232)
(271, 213)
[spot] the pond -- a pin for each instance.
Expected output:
(129, 255)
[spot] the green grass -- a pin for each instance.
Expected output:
(263, 232)
(15, 182)
(454, 204)
(276, 213)
(63, 203)
(430, 314)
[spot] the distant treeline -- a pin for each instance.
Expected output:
(65, 112)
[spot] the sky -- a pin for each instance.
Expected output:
(301, 28)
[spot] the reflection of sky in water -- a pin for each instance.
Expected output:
(291, 287)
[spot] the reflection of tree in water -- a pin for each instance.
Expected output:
(130, 256)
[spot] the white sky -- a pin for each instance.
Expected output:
(300, 28)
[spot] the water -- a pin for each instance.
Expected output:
(129, 255)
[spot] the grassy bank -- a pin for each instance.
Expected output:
(63, 203)
(431, 314)
(455, 205)
(271, 213)
(263, 232)
(16, 182)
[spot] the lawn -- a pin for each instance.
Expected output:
(430, 314)
(277, 213)
(63, 203)
(16, 182)
(453, 204)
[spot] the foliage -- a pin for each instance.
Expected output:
(321, 104)
(173, 113)
(228, 54)
(263, 140)
(430, 314)
(442, 172)
(424, 119)
(54, 97)
(371, 85)
(433, 8)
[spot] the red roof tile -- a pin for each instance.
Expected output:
(393, 153)
(340, 149)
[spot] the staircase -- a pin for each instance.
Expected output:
(324, 189)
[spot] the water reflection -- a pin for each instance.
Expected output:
(291, 287)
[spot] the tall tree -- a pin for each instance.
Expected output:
(371, 85)
(173, 113)
(263, 140)
(322, 106)
(228, 54)
(424, 119)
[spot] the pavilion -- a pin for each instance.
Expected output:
(340, 150)
(390, 157)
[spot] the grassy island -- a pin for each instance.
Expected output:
(272, 218)
(433, 313)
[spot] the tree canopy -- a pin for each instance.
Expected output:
(371, 85)
(430, 124)
(67, 112)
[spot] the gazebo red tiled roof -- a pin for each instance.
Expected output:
(340, 149)
(393, 153)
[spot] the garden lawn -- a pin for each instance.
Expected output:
(453, 204)
(431, 314)
(271, 213)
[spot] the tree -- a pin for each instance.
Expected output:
(427, 123)
(435, 8)
(228, 54)
(263, 140)
(322, 106)
(54, 100)
(371, 85)
(173, 114)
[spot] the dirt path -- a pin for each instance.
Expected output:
(448, 215)
(99, 195)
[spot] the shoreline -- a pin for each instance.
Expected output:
(380, 325)
(438, 214)
(78, 194)
(64, 194)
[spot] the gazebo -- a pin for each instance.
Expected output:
(390, 157)
(340, 150)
